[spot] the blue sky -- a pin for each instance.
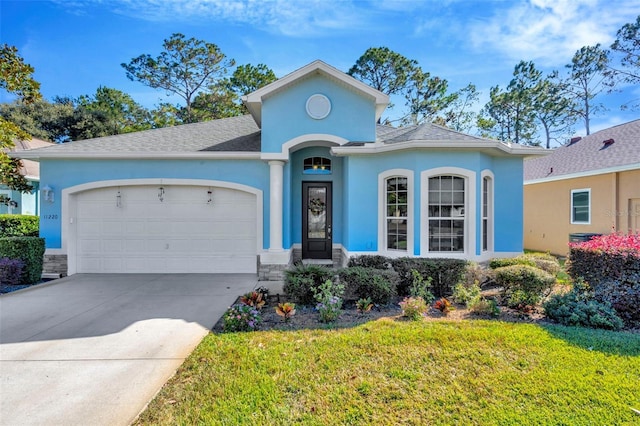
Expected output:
(78, 45)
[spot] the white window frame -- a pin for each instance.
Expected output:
(487, 174)
(382, 211)
(470, 196)
(571, 216)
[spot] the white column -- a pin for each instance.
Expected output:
(275, 205)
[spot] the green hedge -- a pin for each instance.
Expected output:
(445, 273)
(524, 285)
(18, 225)
(371, 261)
(28, 249)
(377, 284)
(301, 281)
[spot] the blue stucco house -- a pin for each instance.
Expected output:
(309, 174)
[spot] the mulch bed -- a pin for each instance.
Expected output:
(306, 317)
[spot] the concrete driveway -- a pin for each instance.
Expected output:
(95, 349)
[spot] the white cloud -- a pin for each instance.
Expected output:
(550, 31)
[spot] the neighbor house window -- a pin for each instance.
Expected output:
(487, 206)
(446, 213)
(397, 211)
(581, 206)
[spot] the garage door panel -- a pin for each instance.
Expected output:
(183, 233)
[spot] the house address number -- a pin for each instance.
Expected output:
(50, 216)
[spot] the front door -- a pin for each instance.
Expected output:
(316, 220)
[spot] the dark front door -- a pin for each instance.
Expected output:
(316, 220)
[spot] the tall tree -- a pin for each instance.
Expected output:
(459, 115)
(16, 77)
(184, 68)
(41, 119)
(553, 108)
(587, 79)
(626, 49)
(425, 96)
(249, 78)
(116, 109)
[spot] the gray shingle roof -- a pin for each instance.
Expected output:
(422, 132)
(589, 154)
(231, 135)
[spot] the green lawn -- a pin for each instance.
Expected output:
(396, 372)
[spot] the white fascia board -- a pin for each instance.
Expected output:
(625, 168)
(138, 155)
(380, 148)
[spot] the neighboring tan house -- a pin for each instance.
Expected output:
(28, 202)
(589, 186)
(307, 175)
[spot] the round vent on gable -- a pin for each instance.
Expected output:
(318, 106)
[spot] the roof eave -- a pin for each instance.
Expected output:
(199, 155)
(506, 149)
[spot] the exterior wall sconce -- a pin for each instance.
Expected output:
(209, 196)
(118, 199)
(47, 191)
(161, 193)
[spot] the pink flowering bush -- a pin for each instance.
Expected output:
(241, 317)
(605, 258)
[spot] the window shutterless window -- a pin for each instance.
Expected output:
(397, 210)
(581, 206)
(446, 213)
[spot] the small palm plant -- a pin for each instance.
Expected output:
(364, 305)
(286, 310)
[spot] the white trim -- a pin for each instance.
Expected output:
(275, 258)
(627, 167)
(69, 208)
(470, 196)
(573, 191)
(490, 207)
(382, 209)
(137, 155)
(303, 141)
(507, 148)
(484, 257)
(318, 106)
(54, 251)
(276, 197)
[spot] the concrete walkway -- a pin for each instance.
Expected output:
(95, 349)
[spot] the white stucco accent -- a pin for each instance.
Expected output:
(490, 226)
(470, 195)
(382, 207)
(69, 207)
(276, 189)
(303, 141)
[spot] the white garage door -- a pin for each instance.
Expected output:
(182, 233)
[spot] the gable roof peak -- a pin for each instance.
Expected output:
(253, 100)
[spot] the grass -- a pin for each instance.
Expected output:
(397, 372)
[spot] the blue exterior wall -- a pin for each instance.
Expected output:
(284, 115)
(293, 233)
(62, 174)
(361, 191)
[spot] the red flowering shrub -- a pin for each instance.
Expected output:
(605, 258)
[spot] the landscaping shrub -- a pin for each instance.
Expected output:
(578, 307)
(465, 294)
(510, 261)
(10, 271)
(329, 298)
(474, 273)
(370, 261)
(605, 258)
(484, 306)
(375, 284)
(18, 225)
(241, 317)
(524, 285)
(28, 249)
(421, 287)
(445, 273)
(301, 281)
(624, 296)
(414, 308)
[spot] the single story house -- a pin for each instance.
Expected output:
(589, 186)
(308, 174)
(28, 202)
